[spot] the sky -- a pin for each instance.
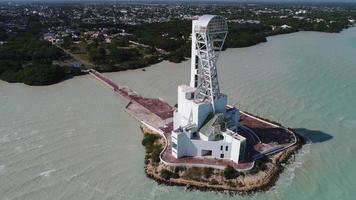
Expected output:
(214, 1)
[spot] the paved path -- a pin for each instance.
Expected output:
(161, 51)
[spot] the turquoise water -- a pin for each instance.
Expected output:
(304, 80)
(74, 141)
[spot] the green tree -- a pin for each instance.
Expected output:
(35, 27)
(97, 55)
(230, 172)
(119, 42)
(3, 35)
(155, 155)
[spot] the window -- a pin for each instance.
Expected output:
(226, 148)
(194, 136)
(219, 137)
(221, 147)
(189, 95)
(192, 95)
(174, 145)
(222, 155)
(206, 152)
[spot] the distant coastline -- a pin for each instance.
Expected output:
(134, 67)
(56, 41)
(73, 71)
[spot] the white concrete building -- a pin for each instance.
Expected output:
(203, 125)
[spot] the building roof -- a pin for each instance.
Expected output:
(212, 126)
(204, 20)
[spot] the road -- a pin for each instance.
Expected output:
(161, 51)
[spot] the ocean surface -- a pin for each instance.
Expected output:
(73, 140)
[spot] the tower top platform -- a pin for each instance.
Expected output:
(210, 24)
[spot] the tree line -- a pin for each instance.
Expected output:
(26, 58)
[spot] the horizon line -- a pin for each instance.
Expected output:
(188, 1)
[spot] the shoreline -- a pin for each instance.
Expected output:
(150, 65)
(230, 48)
(260, 183)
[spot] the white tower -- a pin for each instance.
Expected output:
(202, 124)
(208, 37)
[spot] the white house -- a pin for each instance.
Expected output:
(285, 26)
(203, 125)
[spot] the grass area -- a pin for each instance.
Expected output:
(83, 56)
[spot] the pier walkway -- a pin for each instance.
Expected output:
(152, 111)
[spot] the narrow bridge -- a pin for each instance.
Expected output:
(153, 112)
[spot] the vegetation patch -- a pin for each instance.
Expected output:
(167, 174)
(230, 172)
(152, 147)
(26, 58)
